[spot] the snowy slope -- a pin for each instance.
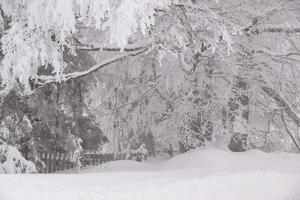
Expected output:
(208, 174)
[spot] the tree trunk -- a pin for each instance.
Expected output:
(238, 141)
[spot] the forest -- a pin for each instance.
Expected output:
(121, 76)
(149, 99)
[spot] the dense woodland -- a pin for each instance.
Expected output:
(117, 76)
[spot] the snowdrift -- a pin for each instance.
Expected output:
(211, 160)
(12, 162)
(203, 174)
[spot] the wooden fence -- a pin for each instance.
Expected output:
(57, 161)
(96, 159)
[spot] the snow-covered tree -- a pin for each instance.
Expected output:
(36, 33)
(177, 70)
(230, 77)
(11, 160)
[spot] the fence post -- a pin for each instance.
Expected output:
(171, 151)
(97, 159)
(70, 161)
(55, 161)
(66, 161)
(62, 161)
(52, 161)
(48, 162)
(94, 159)
(58, 161)
(42, 158)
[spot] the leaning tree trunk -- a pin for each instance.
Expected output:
(282, 103)
(287, 108)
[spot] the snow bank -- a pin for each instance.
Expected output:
(115, 166)
(208, 174)
(212, 159)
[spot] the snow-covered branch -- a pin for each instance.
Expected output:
(103, 64)
(89, 47)
(92, 48)
(65, 77)
(275, 54)
(280, 30)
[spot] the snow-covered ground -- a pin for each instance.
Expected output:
(207, 174)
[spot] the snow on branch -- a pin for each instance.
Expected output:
(92, 48)
(275, 54)
(280, 30)
(40, 30)
(65, 77)
(256, 31)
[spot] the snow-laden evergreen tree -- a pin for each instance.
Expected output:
(11, 160)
